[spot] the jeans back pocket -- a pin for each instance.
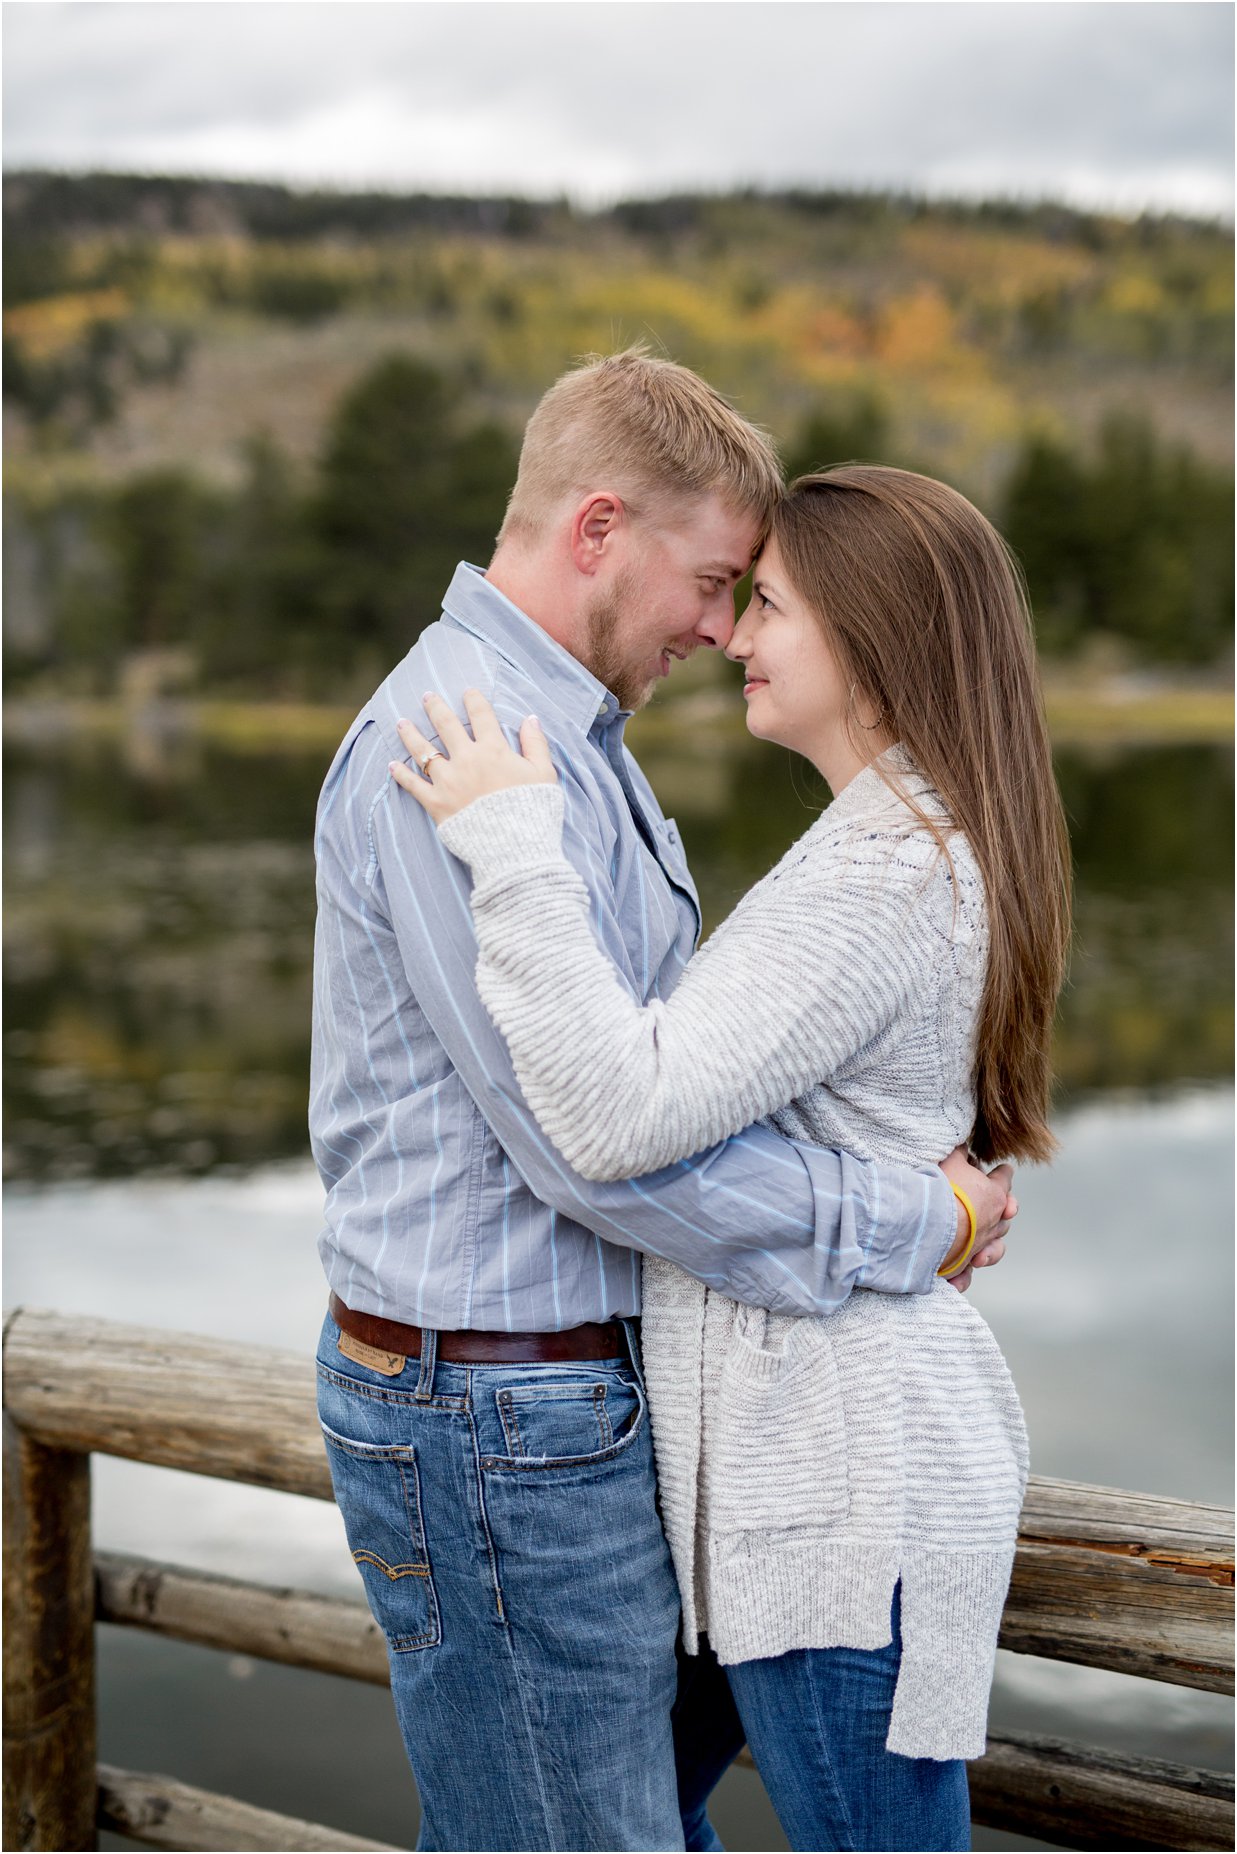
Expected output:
(779, 1464)
(378, 1492)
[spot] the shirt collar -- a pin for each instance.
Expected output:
(475, 604)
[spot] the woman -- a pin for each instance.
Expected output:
(841, 1496)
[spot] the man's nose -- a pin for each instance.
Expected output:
(717, 629)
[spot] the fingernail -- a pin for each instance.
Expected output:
(403, 722)
(391, 765)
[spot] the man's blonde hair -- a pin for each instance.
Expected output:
(647, 428)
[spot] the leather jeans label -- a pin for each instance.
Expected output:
(390, 1364)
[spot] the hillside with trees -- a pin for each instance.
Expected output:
(258, 427)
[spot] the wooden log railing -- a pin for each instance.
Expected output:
(1102, 1577)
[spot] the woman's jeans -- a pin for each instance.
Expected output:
(816, 1722)
(503, 1519)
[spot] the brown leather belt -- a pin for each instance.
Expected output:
(471, 1348)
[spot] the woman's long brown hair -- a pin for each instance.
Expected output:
(925, 607)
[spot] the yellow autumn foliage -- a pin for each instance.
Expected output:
(44, 329)
(918, 333)
(1135, 295)
(987, 265)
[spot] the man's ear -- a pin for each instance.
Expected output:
(595, 528)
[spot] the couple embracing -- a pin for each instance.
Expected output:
(656, 1418)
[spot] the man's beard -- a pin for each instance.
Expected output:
(629, 683)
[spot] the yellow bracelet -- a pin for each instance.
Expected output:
(948, 1274)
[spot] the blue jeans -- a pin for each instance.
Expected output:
(816, 1722)
(504, 1523)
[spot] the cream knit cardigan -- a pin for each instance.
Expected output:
(805, 1465)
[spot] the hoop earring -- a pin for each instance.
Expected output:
(868, 727)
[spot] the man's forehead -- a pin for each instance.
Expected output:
(727, 541)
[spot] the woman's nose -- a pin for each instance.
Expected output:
(740, 646)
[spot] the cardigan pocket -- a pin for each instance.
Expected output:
(780, 1461)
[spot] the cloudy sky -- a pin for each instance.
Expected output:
(1095, 101)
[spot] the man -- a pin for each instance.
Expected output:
(479, 1385)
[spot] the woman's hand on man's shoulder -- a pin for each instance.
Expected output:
(469, 766)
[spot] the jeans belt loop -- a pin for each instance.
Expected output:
(429, 1359)
(631, 1327)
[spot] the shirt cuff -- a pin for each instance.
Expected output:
(913, 1225)
(505, 832)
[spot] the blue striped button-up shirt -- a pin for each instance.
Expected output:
(446, 1205)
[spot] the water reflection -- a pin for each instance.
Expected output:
(1151, 995)
(159, 919)
(157, 945)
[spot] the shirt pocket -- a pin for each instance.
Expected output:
(673, 860)
(779, 1460)
(670, 848)
(378, 1492)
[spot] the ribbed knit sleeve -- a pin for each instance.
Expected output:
(817, 960)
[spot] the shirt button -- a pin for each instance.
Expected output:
(604, 709)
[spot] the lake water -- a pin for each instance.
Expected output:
(159, 920)
(157, 931)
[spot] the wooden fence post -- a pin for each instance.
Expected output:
(50, 1781)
